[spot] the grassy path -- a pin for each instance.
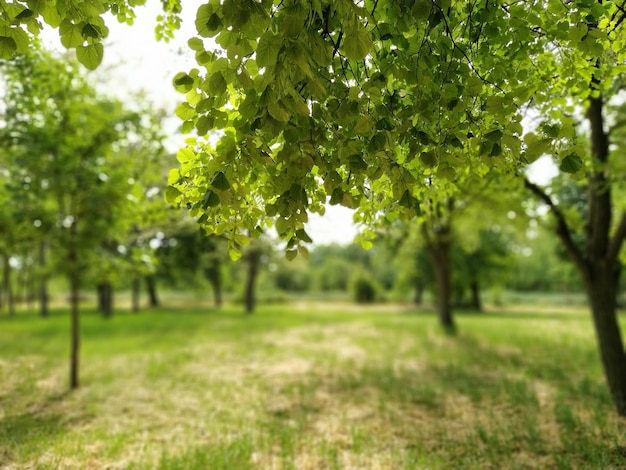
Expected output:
(295, 387)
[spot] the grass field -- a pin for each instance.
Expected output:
(303, 387)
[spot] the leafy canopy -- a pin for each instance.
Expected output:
(372, 104)
(377, 104)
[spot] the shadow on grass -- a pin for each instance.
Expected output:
(30, 429)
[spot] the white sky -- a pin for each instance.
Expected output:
(134, 61)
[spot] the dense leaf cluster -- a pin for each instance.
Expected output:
(377, 105)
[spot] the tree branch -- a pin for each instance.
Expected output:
(562, 229)
(618, 239)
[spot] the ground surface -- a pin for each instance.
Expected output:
(304, 387)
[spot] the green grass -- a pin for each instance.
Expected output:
(295, 387)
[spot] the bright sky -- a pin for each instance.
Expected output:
(134, 61)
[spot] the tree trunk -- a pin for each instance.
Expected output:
(216, 283)
(439, 251)
(440, 255)
(74, 278)
(43, 282)
(476, 301)
(418, 293)
(254, 257)
(152, 292)
(8, 285)
(135, 294)
(75, 327)
(602, 290)
(105, 299)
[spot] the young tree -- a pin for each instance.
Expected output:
(65, 138)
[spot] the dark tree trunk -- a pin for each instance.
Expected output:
(105, 299)
(438, 246)
(43, 282)
(602, 293)
(8, 285)
(418, 293)
(135, 294)
(75, 335)
(253, 258)
(598, 261)
(216, 284)
(74, 279)
(152, 292)
(476, 302)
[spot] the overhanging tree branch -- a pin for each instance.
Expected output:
(562, 228)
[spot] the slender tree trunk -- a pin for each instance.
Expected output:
(475, 290)
(74, 279)
(152, 292)
(135, 294)
(254, 257)
(105, 299)
(440, 255)
(418, 293)
(8, 285)
(439, 251)
(216, 284)
(43, 282)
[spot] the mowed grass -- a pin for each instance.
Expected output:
(306, 387)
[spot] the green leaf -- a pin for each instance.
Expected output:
(571, 163)
(291, 254)
(336, 197)
(282, 225)
(183, 82)
(234, 252)
(494, 136)
(185, 111)
(267, 50)
(203, 15)
(91, 31)
(217, 84)
(210, 199)
(90, 56)
(278, 112)
(357, 163)
(196, 44)
(408, 200)
(536, 147)
(70, 34)
(220, 182)
(204, 124)
(8, 47)
(429, 158)
(171, 194)
(22, 41)
(302, 235)
(357, 41)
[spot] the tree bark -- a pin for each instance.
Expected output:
(602, 294)
(8, 285)
(475, 290)
(439, 251)
(105, 299)
(216, 284)
(598, 261)
(74, 279)
(152, 292)
(418, 293)
(44, 311)
(253, 257)
(135, 294)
